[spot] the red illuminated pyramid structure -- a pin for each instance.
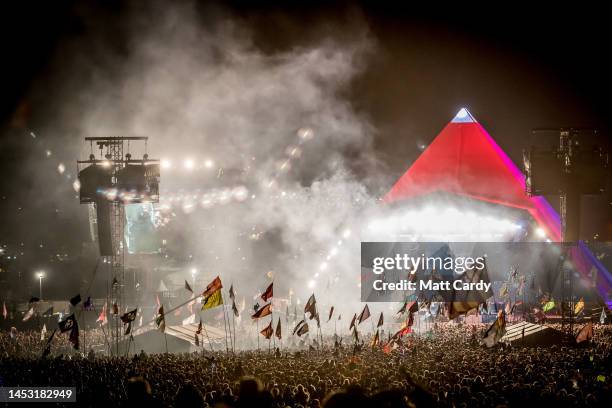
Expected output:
(465, 160)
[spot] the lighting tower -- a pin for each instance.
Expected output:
(569, 170)
(109, 183)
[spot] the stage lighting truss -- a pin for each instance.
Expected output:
(118, 178)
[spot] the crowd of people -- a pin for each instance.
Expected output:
(445, 368)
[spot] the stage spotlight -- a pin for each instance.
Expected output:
(540, 232)
(188, 164)
(166, 164)
(209, 164)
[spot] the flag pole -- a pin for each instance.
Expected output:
(234, 325)
(257, 334)
(225, 327)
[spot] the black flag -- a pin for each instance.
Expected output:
(380, 320)
(67, 324)
(75, 300)
(129, 316)
(188, 287)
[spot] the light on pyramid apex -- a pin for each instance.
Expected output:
(463, 116)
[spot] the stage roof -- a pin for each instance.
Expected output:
(465, 160)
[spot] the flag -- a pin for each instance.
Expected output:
(375, 340)
(496, 331)
(464, 301)
(365, 313)
(199, 331)
(129, 316)
(232, 295)
(297, 327)
(4, 311)
(410, 306)
(197, 341)
(355, 334)
(43, 332)
(268, 293)
(331, 312)
(47, 349)
(212, 300)
(157, 302)
(381, 321)
(586, 333)
(303, 329)
(579, 306)
(75, 300)
(128, 329)
(102, 318)
(160, 319)
(88, 305)
(311, 306)
(548, 306)
(67, 324)
(602, 317)
(140, 321)
(503, 291)
(187, 286)
(267, 331)
(278, 332)
(29, 314)
(353, 321)
(234, 308)
(264, 311)
(508, 307)
(212, 287)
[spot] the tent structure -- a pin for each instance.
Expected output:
(464, 160)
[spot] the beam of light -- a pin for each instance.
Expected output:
(165, 164)
(188, 164)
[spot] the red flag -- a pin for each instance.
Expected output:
(102, 318)
(212, 287)
(268, 292)
(353, 321)
(268, 331)
(586, 333)
(4, 311)
(331, 312)
(365, 313)
(278, 330)
(264, 311)
(380, 320)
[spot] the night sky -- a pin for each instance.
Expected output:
(516, 68)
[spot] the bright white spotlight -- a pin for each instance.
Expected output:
(540, 232)
(209, 164)
(188, 164)
(311, 284)
(76, 185)
(165, 164)
(61, 168)
(305, 133)
(346, 233)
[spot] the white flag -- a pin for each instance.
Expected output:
(43, 332)
(602, 318)
(29, 314)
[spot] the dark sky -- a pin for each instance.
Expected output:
(516, 68)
